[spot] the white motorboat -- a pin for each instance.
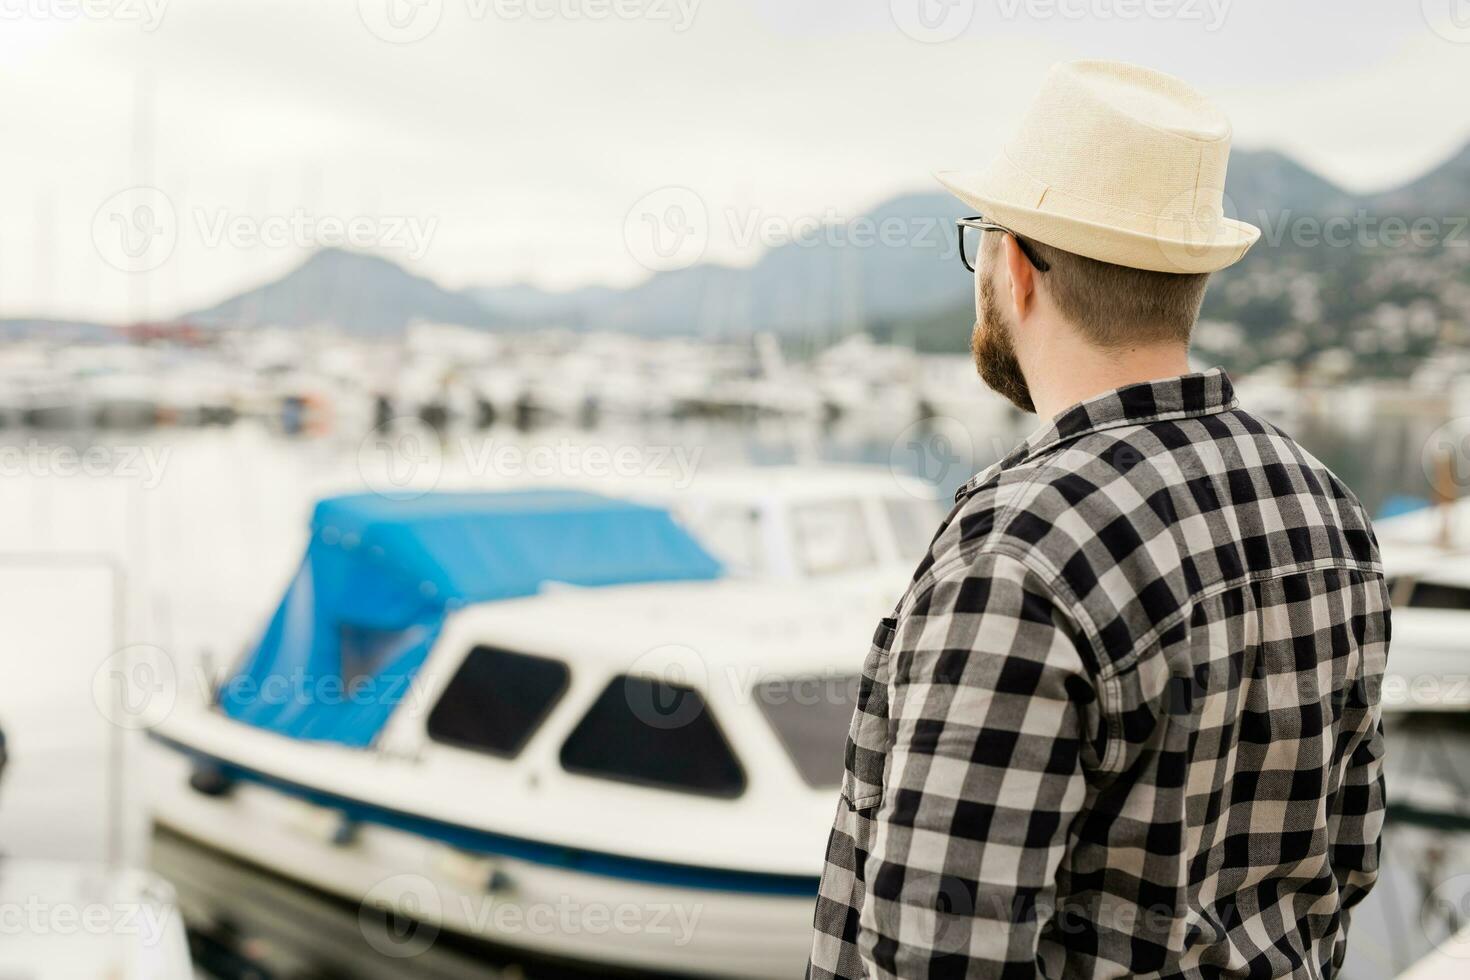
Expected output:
(546, 720)
(848, 526)
(1426, 557)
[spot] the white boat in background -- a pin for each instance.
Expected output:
(1426, 557)
(85, 922)
(861, 527)
(550, 708)
(1445, 963)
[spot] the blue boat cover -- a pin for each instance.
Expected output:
(380, 575)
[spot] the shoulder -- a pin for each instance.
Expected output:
(986, 549)
(1042, 513)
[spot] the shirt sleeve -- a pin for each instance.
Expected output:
(990, 714)
(1357, 820)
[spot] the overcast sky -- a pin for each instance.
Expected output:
(491, 141)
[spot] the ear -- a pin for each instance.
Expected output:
(1022, 277)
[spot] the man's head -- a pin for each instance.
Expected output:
(1115, 180)
(1029, 320)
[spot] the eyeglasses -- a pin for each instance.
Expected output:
(981, 226)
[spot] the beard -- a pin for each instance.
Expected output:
(995, 352)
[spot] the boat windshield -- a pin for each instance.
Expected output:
(811, 715)
(914, 522)
(733, 534)
(1436, 595)
(832, 536)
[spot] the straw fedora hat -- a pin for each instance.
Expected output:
(1118, 163)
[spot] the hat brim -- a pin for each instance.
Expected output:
(1168, 246)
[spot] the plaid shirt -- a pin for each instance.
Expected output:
(1125, 720)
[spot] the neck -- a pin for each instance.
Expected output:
(1061, 378)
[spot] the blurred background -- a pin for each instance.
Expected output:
(555, 393)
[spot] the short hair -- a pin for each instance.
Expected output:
(1114, 306)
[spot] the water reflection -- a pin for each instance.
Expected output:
(1423, 894)
(247, 924)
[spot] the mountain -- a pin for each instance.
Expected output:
(854, 276)
(909, 287)
(362, 293)
(1442, 193)
(1266, 182)
(893, 273)
(1340, 272)
(896, 260)
(1331, 273)
(527, 303)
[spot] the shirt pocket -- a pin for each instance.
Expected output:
(867, 735)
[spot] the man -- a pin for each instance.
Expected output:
(1124, 722)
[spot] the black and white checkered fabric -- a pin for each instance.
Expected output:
(1125, 720)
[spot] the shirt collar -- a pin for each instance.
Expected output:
(1200, 393)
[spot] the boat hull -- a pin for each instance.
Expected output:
(613, 916)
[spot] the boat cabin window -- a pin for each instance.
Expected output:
(653, 733)
(496, 700)
(914, 523)
(733, 534)
(1432, 595)
(832, 536)
(811, 716)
